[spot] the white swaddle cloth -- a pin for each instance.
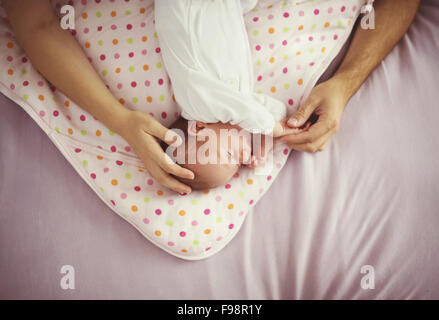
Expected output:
(206, 52)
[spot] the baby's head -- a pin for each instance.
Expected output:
(214, 152)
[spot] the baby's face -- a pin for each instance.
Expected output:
(238, 146)
(233, 150)
(234, 145)
(214, 152)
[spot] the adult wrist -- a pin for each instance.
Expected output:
(117, 120)
(344, 84)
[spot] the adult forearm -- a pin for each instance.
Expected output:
(56, 54)
(370, 46)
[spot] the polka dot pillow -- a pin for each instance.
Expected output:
(292, 43)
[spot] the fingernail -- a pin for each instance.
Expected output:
(293, 122)
(186, 192)
(190, 176)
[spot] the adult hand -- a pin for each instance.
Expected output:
(140, 130)
(326, 101)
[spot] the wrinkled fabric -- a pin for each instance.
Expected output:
(121, 42)
(207, 55)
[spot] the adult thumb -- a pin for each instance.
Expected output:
(299, 118)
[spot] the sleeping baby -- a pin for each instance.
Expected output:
(206, 53)
(214, 152)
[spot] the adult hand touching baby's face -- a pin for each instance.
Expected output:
(141, 131)
(326, 101)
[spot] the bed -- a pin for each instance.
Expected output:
(368, 203)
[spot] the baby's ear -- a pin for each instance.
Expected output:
(194, 127)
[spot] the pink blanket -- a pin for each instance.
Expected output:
(120, 40)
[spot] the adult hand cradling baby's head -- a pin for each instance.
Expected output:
(214, 152)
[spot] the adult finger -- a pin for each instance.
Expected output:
(285, 129)
(159, 131)
(148, 150)
(314, 146)
(170, 166)
(315, 132)
(323, 145)
(165, 162)
(304, 112)
(166, 180)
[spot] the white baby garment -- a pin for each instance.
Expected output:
(206, 53)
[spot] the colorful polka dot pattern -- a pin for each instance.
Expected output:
(292, 43)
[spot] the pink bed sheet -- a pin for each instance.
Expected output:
(371, 198)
